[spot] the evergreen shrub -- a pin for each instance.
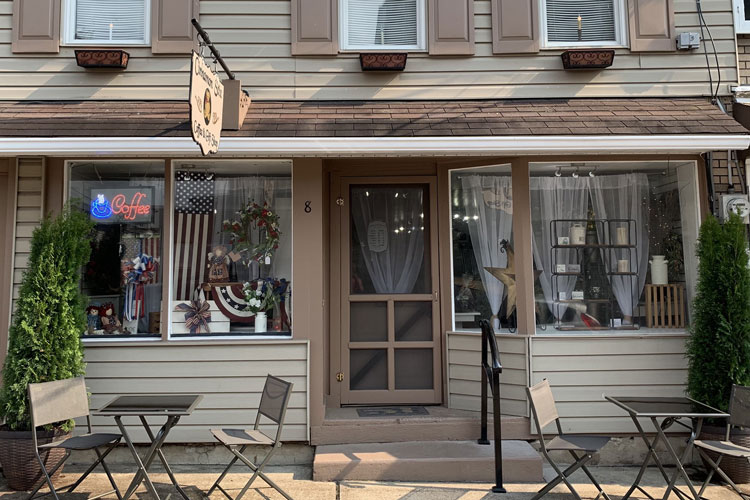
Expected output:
(719, 346)
(44, 340)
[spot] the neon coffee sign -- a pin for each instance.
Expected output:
(122, 205)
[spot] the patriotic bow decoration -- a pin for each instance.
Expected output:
(136, 273)
(197, 315)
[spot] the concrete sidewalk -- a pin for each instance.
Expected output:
(296, 480)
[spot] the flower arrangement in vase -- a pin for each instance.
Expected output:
(260, 296)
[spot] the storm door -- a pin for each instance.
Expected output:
(390, 312)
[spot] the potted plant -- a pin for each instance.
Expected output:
(719, 346)
(260, 296)
(44, 340)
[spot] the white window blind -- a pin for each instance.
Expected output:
(110, 20)
(598, 21)
(376, 24)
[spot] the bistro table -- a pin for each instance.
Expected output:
(150, 405)
(670, 410)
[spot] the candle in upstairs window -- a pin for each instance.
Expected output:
(111, 25)
(580, 22)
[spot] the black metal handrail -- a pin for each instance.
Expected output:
(491, 370)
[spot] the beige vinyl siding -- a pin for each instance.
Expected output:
(464, 373)
(28, 215)
(581, 369)
(229, 375)
(255, 38)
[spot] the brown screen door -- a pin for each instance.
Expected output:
(389, 292)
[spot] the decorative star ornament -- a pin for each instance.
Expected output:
(507, 275)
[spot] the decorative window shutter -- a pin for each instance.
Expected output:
(451, 27)
(515, 26)
(315, 27)
(36, 26)
(171, 29)
(651, 25)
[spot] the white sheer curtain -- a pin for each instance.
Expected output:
(488, 226)
(395, 268)
(624, 196)
(556, 198)
(231, 194)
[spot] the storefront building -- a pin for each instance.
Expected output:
(398, 209)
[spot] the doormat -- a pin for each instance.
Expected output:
(392, 411)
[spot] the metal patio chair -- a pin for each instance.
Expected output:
(739, 416)
(62, 400)
(273, 404)
(580, 447)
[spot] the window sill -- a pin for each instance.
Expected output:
(103, 45)
(581, 47)
(381, 51)
(141, 342)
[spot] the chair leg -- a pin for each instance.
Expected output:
(90, 469)
(48, 476)
(224, 473)
(258, 471)
(715, 467)
(591, 478)
(562, 476)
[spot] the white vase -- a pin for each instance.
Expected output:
(658, 270)
(261, 322)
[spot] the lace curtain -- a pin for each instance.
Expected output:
(556, 198)
(489, 224)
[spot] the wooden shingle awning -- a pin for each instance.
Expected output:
(343, 127)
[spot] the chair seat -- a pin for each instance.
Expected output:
(723, 447)
(241, 437)
(577, 443)
(84, 441)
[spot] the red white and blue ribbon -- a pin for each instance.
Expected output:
(136, 274)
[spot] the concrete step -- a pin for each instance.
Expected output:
(442, 424)
(426, 461)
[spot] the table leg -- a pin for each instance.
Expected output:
(651, 445)
(162, 458)
(679, 460)
(141, 473)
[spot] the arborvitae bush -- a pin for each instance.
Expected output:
(719, 346)
(44, 343)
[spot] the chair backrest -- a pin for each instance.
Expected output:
(542, 404)
(57, 401)
(739, 406)
(275, 398)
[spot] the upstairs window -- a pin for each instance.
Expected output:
(742, 16)
(583, 23)
(382, 24)
(109, 22)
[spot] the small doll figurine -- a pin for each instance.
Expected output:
(218, 272)
(92, 319)
(110, 322)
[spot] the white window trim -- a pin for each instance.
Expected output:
(621, 31)
(69, 29)
(421, 45)
(741, 24)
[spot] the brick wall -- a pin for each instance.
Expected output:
(743, 53)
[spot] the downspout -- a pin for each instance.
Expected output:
(709, 160)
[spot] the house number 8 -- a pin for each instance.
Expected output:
(308, 208)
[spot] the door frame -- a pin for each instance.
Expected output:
(8, 195)
(339, 272)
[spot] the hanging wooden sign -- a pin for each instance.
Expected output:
(206, 105)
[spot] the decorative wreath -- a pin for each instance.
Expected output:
(254, 216)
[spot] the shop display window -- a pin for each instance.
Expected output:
(610, 244)
(123, 279)
(484, 279)
(232, 255)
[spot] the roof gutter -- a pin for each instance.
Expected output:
(378, 146)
